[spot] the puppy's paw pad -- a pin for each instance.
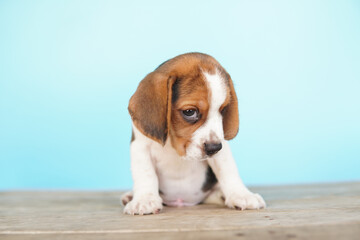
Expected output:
(242, 201)
(146, 204)
(126, 198)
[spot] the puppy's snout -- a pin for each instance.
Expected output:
(212, 148)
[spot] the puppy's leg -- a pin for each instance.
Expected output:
(235, 192)
(146, 199)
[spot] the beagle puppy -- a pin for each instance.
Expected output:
(182, 115)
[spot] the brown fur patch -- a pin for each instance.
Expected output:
(231, 114)
(148, 106)
(192, 93)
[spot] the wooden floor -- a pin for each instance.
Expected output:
(326, 211)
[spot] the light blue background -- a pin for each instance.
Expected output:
(68, 68)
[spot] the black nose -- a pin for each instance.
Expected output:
(212, 148)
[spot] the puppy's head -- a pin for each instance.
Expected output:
(189, 100)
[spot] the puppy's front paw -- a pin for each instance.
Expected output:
(145, 204)
(247, 200)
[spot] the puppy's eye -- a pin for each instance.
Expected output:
(190, 115)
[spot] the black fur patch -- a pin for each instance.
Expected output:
(175, 91)
(157, 132)
(210, 181)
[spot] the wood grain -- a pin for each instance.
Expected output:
(324, 211)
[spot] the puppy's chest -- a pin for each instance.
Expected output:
(180, 181)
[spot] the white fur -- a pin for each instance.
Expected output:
(157, 167)
(146, 197)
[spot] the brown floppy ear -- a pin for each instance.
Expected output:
(231, 114)
(148, 107)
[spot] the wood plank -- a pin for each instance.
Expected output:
(309, 210)
(327, 232)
